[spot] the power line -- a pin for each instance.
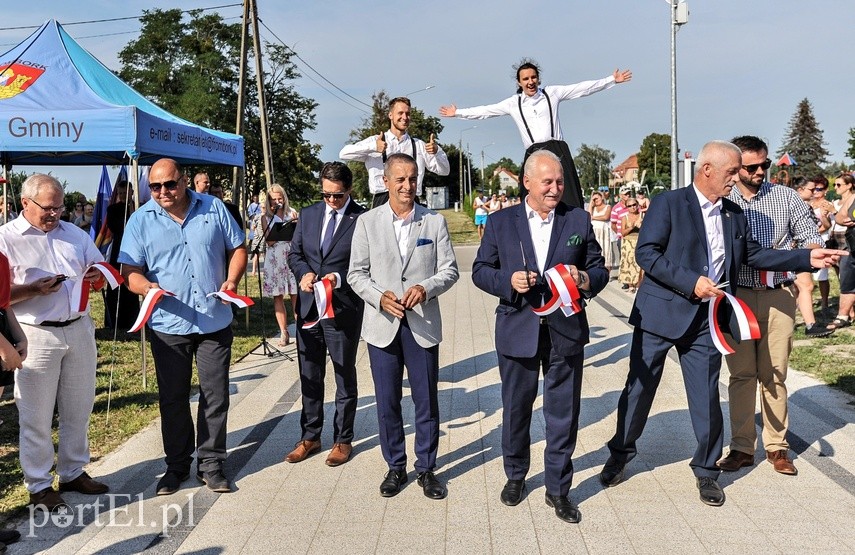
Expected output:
(116, 18)
(313, 69)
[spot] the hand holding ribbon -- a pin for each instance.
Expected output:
(565, 293)
(323, 299)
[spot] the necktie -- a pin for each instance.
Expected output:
(328, 234)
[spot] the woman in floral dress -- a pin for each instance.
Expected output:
(278, 278)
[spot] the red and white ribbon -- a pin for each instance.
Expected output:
(565, 294)
(323, 299)
(748, 328)
(232, 297)
(80, 291)
(767, 278)
(151, 299)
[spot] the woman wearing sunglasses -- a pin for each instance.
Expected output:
(630, 272)
(601, 214)
(844, 184)
(278, 278)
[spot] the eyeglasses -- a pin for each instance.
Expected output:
(49, 209)
(820, 189)
(836, 184)
(156, 187)
(631, 205)
(334, 196)
(78, 206)
(751, 168)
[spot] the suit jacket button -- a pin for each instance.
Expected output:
(705, 268)
(403, 279)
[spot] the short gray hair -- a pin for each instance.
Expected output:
(542, 153)
(38, 181)
(711, 153)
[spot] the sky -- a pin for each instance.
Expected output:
(742, 66)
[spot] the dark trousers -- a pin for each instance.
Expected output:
(173, 361)
(387, 369)
(379, 199)
(128, 308)
(313, 344)
(562, 391)
(701, 363)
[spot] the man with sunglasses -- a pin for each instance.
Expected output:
(48, 256)
(375, 150)
(321, 250)
(778, 219)
(187, 243)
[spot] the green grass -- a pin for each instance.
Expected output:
(132, 406)
(461, 227)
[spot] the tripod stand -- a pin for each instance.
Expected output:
(272, 232)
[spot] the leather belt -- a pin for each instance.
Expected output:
(53, 324)
(781, 285)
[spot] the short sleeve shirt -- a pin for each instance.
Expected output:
(5, 282)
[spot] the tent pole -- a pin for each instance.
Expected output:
(262, 105)
(135, 181)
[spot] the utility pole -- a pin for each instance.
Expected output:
(262, 105)
(679, 16)
(237, 174)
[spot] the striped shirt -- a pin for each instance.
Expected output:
(779, 219)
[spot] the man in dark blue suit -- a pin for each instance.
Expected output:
(690, 247)
(520, 243)
(321, 250)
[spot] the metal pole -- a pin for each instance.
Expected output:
(469, 168)
(237, 185)
(482, 167)
(674, 180)
(460, 167)
(262, 105)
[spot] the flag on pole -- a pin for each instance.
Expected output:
(99, 232)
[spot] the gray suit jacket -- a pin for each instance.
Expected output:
(376, 266)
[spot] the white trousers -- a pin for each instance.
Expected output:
(59, 371)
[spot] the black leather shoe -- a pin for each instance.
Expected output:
(215, 480)
(391, 484)
(612, 473)
(171, 482)
(711, 492)
(564, 508)
(432, 487)
(512, 493)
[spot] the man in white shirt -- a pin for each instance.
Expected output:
(48, 257)
(375, 150)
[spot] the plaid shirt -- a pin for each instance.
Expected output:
(779, 219)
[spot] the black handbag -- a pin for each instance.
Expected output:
(7, 377)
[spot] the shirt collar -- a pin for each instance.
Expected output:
(406, 219)
(404, 138)
(533, 98)
(705, 203)
(532, 213)
(340, 211)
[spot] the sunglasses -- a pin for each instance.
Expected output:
(819, 189)
(78, 206)
(631, 205)
(156, 187)
(334, 196)
(751, 168)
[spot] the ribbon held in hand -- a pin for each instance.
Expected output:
(151, 299)
(232, 297)
(80, 291)
(323, 299)
(743, 320)
(565, 294)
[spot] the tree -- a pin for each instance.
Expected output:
(191, 68)
(654, 155)
(803, 141)
(851, 152)
(594, 165)
(421, 126)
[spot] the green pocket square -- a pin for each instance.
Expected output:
(574, 240)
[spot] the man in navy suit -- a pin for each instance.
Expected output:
(693, 240)
(321, 250)
(519, 244)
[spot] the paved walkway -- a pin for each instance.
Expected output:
(310, 508)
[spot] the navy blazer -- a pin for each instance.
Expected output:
(672, 251)
(305, 257)
(506, 236)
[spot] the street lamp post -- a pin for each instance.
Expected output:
(482, 162)
(679, 16)
(460, 164)
(655, 172)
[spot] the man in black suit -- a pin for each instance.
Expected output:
(519, 244)
(692, 243)
(321, 250)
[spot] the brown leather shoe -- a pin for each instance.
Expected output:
(781, 462)
(48, 498)
(84, 484)
(302, 450)
(735, 460)
(340, 454)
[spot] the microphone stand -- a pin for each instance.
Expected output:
(267, 349)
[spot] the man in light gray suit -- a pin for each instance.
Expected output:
(401, 260)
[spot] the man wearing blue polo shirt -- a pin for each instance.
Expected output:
(188, 244)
